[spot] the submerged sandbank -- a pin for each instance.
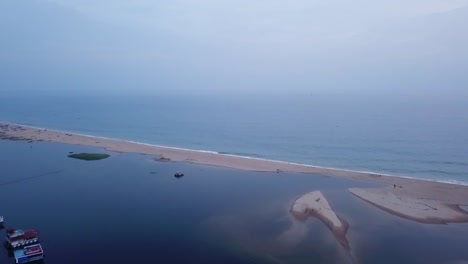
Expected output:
(316, 205)
(447, 193)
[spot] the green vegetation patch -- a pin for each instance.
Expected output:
(89, 156)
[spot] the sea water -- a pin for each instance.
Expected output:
(412, 139)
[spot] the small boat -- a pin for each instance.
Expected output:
(19, 238)
(29, 254)
(1, 222)
(178, 175)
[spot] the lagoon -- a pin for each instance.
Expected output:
(128, 209)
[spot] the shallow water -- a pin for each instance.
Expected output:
(129, 208)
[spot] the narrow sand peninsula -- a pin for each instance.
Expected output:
(314, 204)
(457, 194)
(413, 206)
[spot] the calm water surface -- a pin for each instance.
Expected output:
(130, 209)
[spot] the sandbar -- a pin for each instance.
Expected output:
(314, 204)
(412, 206)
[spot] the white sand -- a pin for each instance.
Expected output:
(411, 206)
(315, 203)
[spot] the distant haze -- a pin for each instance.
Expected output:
(414, 48)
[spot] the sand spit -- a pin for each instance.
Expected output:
(451, 194)
(412, 206)
(33, 134)
(314, 204)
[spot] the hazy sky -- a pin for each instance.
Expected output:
(386, 46)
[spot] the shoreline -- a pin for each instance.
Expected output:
(407, 191)
(322, 169)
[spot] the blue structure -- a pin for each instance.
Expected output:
(29, 254)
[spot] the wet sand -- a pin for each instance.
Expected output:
(445, 195)
(464, 208)
(409, 205)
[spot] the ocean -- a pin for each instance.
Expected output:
(422, 140)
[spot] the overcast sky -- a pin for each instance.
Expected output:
(405, 46)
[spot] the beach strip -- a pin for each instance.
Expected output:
(34, 134)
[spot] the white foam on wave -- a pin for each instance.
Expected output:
(449, 181)
(167, 147)
(455, 182)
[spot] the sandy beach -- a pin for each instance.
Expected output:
(443, 194)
